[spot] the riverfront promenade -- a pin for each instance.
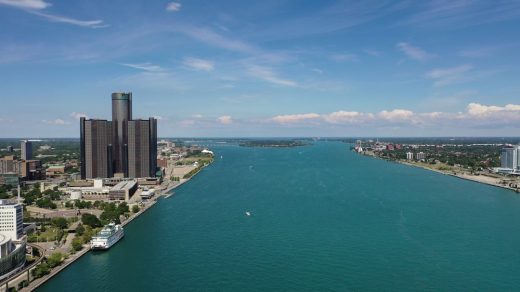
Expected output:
(38, 282)
(167, 187)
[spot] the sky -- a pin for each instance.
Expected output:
(263, 68)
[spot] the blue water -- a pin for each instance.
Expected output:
(323, 219)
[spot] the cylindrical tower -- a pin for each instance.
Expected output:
(121, 114)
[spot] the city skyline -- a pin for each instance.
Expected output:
(275, 68)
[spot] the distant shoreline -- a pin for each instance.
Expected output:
(483, 179)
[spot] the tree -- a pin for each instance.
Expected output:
(90, 220)
(77, 244)
(80, 230)
(55, 259)
(60, 222)
(41, 270)
(135, 209)
(122, 208)
(110, 216)
(45, 203)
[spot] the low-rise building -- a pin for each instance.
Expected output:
(123, 190)
(55, 169)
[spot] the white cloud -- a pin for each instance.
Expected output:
(285, 119)
(268, 75)
(26, 4)
(225, 120)
(33, 7)
(415, 53)
(396, 115)
(68, 20)
(447, 76)
(350, 117)
(173, 6)
(316, 70)
(77, 116)
(148, 67)
(483, 111)
(476, 115)
(59, 122)
(199, 64)
(197, 116)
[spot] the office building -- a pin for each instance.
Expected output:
(26, 148)
(12, 247)
(123, 191)
(96, 148)
(510, 158)
(11, 219)
(31, 170)
(122, 147)
(121, 114)
(142, 148)
(9, 164)
(9, 149)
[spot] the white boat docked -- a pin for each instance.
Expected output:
(108, 236)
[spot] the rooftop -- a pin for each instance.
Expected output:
(124, 185)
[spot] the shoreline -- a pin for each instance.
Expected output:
(74, 257)
(463, 175)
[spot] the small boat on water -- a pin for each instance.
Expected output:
(248, 213)
(108, 236)
(169, 195)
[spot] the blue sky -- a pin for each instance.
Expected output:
(263, 68)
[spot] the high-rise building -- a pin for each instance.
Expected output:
(11, 219)
(26, 148)
(121, 114)
(122, 147)
(96, 148)
(9, 164)
(409, 156)
(142, 148)
(510, 158)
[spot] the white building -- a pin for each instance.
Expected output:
(420, 156)
(11, 220)
(409, 156)
(510, 158)
(206, 151)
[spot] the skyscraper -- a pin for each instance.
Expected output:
(96, 148)
(121, 114)
(142, 148)
(509, 158)
(119, 146)
(26, 148)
